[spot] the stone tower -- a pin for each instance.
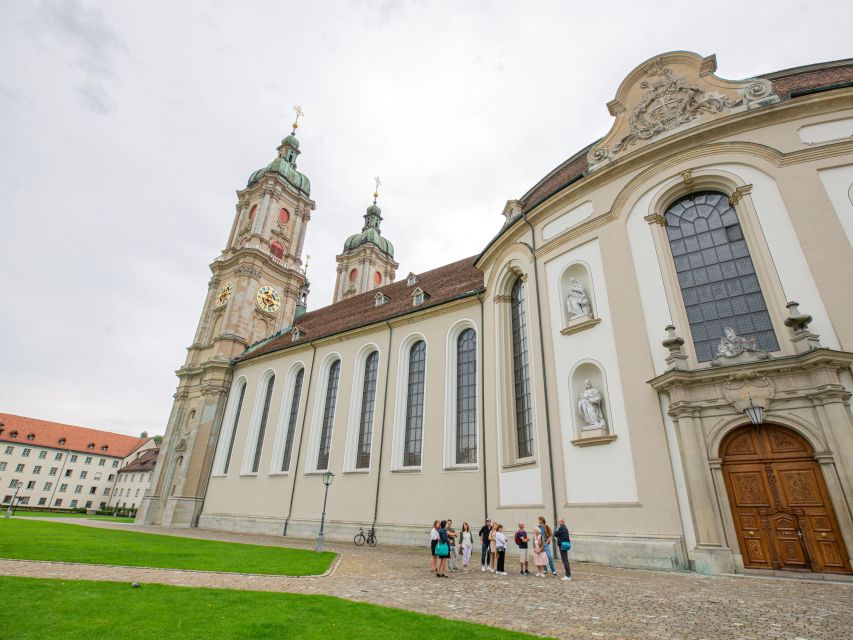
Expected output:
(256, 284)
(367, 261)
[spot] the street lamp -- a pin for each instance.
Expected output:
(11, 508)
(327, 480)
(755, 413)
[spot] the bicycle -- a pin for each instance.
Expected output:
(361, 537)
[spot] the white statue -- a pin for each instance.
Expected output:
(577, 301)
(732, 344)
(589, 405)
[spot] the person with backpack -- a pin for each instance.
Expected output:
(565, 542)
(546, 536)
(521, 540)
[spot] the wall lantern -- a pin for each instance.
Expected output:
(755, 413)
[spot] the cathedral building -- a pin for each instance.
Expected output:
(655, 345)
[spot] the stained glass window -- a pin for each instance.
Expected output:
(291, 420)
(368, 402)
(328, 416)
(415, 406)
(521, 372)
(233, 434)
(262, 428)
(466, 397)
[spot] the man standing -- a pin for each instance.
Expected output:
(521, 540)
(451, 536)
(485, 555)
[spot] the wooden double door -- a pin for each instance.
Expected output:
(782, 511)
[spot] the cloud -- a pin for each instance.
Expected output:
(95, 44)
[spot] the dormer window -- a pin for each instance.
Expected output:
(418, 297)
(295, 334)
(62, 441)
(13, 434)
(31, 436)
(104, 448)
(411, 279)
(381, 299)
(91, 445)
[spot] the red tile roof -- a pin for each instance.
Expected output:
(146, 461)
(786, 84)
(442, 285)
(82, 439)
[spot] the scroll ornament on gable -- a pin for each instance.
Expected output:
(669, 92)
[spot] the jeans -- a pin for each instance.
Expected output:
(451, 559)
(550, 558)
(564, 556)
(501, 558)
(485, 554)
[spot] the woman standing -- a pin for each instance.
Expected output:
(467, 544)
(540, 559)
(546, 536)
(433, 540)
(443, 544)
(492, 547)
(500, 547)
(565, 542)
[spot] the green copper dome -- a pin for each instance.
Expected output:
(370, 233)
(285, 166)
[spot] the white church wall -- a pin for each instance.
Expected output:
(838, 183)
(602, 473)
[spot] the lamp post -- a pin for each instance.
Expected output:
(327, 480)
(755, 413)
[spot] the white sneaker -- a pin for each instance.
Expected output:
(482, 567)
(566, 578)
(490, 570)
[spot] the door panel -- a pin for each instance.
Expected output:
(782, 511)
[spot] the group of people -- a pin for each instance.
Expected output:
(447, 545)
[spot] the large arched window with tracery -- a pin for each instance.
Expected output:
(521, 372)
(715, 273)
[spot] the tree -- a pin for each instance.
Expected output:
(158, 440)
(144, 434)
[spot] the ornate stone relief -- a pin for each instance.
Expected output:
(669, 92)
(246, 270)
(740, 388)
(734, 349)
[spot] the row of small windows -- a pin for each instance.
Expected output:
(413, 425)
(26, 452)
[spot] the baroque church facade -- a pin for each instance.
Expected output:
(655, 345)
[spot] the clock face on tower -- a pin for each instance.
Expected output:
(268, 299)
(223, 294)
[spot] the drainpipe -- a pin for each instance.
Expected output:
(544, 376)
(483, 411)
(382, 426)
(299, 446)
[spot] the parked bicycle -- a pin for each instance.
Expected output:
(361, 537)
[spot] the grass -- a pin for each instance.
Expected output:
(70, 609)
(65, 542)
(62, 514)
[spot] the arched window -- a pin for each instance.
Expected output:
(328, 416)
(521, 372)
(466, 397)
(715, 272)
(233, 432)
(262, 427)
(368, 402)
(253, 211)
(415, 406)
(291, 420)
(276, 249)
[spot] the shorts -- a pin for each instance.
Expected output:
(522, 555)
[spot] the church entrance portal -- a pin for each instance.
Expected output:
(781, 508)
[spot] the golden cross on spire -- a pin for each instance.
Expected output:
(299, 112)
(376, 189)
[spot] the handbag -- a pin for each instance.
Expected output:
(565, 545)
(442, 550)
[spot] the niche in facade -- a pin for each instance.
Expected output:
(590, 403)
(577, 299)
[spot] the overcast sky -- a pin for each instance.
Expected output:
(127, 127)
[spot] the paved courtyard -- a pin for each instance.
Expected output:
(601, 601)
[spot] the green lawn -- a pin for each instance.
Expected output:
(60, 514)
(70, 609)
(64, 542)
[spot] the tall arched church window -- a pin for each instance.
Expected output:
(521, 372)
(715, 273)
(233, 434)
(466, 397)
(291, 420)
(368, 402)
(415, 405)
(328, 416)
(262, 427)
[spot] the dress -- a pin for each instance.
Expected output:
(540, 558)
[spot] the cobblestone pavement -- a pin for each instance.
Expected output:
(601, 601)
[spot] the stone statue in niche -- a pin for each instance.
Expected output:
(577, 301)
(589, 405)
(732, 344)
